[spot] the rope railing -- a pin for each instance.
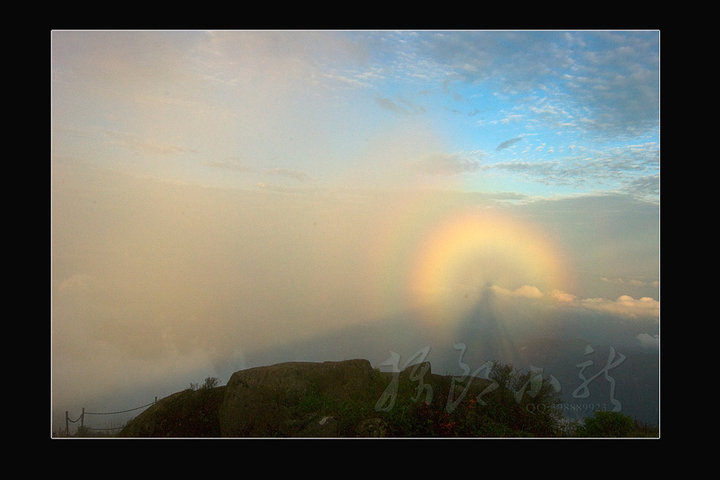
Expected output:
(81, 418)
(67, 419)
(123, 411)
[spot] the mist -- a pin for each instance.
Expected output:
(156, 284)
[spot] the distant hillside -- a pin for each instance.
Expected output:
(351, 399)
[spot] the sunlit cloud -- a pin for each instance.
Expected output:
(624, 305)
(564, 297)
(526, 291)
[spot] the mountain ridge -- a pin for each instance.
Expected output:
(350, 398)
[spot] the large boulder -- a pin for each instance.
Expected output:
(300, 399)
(294, 398)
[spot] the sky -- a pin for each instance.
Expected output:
(219, 198)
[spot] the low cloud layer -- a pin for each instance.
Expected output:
(154, 281)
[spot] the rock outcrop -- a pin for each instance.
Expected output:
(352, 399)
(189, 413)
(328, 399)
(292, 399)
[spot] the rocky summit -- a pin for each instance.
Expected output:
(351, 399)
(294, 399)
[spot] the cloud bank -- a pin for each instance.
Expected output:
(192, 280)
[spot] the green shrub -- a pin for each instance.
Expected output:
(608, 424)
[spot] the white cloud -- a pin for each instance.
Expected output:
(511, 118)
(624, 305)
(563, 297)
(526, 291)
(631, 168)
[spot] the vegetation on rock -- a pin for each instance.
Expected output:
(351, 399)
